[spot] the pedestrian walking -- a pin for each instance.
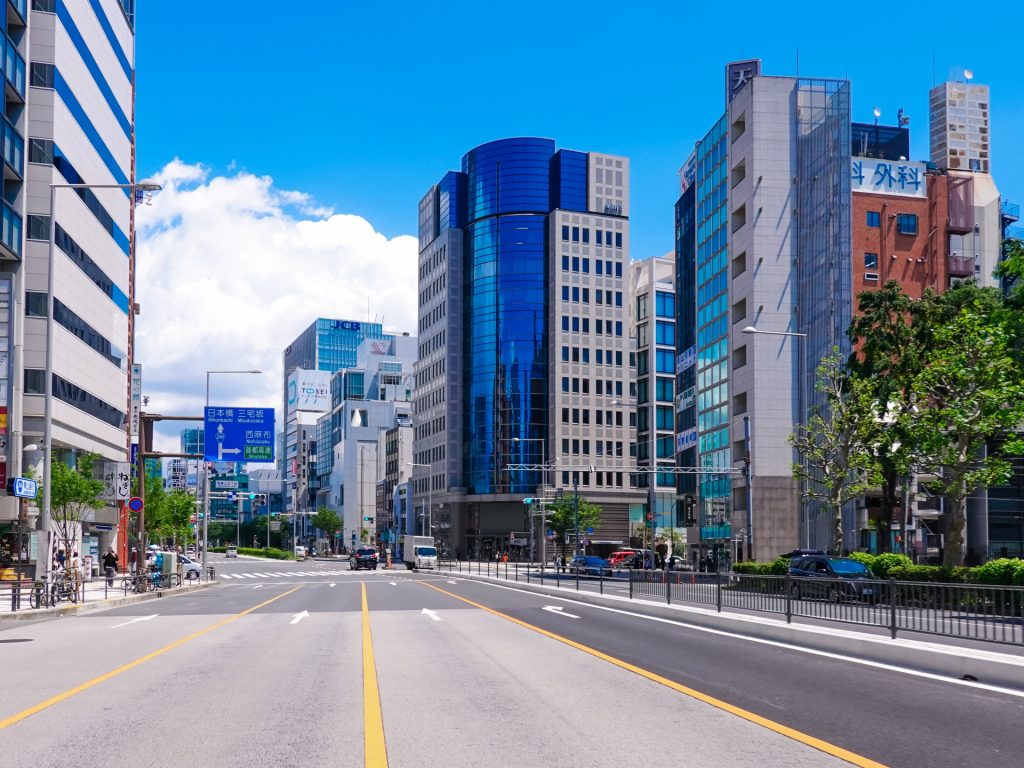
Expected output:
(110, 565)
(76, 569)
(133, 560)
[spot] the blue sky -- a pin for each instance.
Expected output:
(364, 105)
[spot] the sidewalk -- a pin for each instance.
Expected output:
(96, 593)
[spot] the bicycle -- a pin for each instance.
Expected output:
(64, 588)
(39, 597)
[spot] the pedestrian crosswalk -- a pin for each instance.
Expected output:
(282, 574)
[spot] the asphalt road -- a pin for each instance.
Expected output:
(320, 667)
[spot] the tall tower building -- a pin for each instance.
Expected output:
(524, 352)
(69, 119)
(763, 239)
(959, 126)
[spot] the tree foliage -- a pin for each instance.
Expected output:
(836, 463)
(968, 390)
(74, 492)
(561, 516)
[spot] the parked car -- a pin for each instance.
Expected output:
(620, 558)
(190, 569)
(834, 578)
(590, 565)
(231, 552)
(364, 557)
(676, 563)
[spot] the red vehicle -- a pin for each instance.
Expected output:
(620, 558)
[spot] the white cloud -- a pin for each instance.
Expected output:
(232, 269)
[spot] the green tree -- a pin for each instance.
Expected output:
(327, 521)
(836, 465)
(968, 391)
(74, 492)
(887, 356)
(561, 516)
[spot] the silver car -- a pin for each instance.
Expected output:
(190, 569)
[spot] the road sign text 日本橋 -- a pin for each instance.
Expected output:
(238, 434)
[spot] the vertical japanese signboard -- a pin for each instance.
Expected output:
(5, 371)
(136, 410)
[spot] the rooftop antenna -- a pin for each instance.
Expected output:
(902, 119)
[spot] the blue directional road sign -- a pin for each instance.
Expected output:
(238, 434)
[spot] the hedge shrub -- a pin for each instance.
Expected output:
(1002, 571)
(269, 552)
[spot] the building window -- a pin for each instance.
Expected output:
(873, 276)
(641, 307)
(35, 304)
(575, 234)
(35, 381)
(41, 75)
(586, 235)
(906, 223)
(666, 305)
(874, 219)
(565, 232)
(565, 263)
(38, 227)
(870, 261)
(40, 151)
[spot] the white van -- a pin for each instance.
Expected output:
(300, 552)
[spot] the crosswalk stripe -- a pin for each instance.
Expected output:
(248, 576)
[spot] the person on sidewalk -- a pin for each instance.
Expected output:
(110, 565)
(133, 560)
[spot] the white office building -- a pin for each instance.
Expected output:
(69, 119)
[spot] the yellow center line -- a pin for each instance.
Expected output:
(132, 664)
(374, 750)
(792, 733)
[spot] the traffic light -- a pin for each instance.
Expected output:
(261, 500)
(252, 497)
(529, 500)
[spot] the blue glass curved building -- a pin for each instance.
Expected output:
(494, 331)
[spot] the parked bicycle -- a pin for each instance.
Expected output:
(62, 587)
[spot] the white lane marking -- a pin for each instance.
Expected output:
(778, 644)
(132, 621)
(557, 609)
(431, 614)
(258, 586)
(299, 617)
(331, 584)
(452, 581)
(248, 576)
(393, 583)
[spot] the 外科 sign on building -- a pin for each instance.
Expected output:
(888, 177)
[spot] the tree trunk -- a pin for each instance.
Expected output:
(837, 531)
(883, 525)
(953, 551)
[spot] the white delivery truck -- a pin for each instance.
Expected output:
(419, 552)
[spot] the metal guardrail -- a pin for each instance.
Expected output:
(27, 594)
(980, 612)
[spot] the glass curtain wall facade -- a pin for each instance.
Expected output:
(825, 302)
(686, 344)
(505, 340)
(712, 323)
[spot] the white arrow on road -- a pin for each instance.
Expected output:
(557, 609)
(432, 614)
(299, 617)
(132, 621)
(332, 585)
(258, 586)
(452, 581)
(393, 583)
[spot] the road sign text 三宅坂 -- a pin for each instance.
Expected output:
(238, 434)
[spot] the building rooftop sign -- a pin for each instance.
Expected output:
(888, 177)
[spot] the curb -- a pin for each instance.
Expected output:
(959, 662)
(41, 614)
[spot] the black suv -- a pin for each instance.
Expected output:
(364, 557)
(834, 578)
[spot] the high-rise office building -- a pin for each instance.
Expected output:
(69, 119)
(652, 290)
(326, 346)
(525, 357)
(763, 238)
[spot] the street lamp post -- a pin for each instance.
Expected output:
(543, 482)
(802, 337)
(652, 480)
(206, 472)
(430, 495)
(43, 557)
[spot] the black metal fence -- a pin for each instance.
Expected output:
(28, 594)
(971, 611)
